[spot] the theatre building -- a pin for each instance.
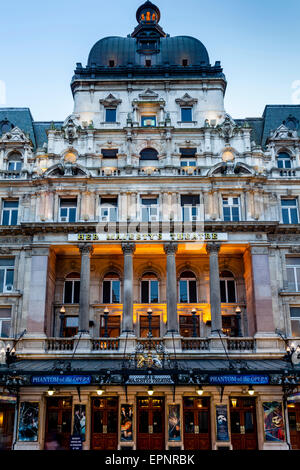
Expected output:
(150, 259)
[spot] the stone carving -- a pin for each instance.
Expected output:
(170, 248)
(227, 129)
(70, 127)
(148, 95)
(110, 101)
(66, 168)
(15, 136)
(128, 248)
(283, 133)
(186, 100)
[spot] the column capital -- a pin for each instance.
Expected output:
(213, 247)
(170, 248)
(128, 248)
(86, 248)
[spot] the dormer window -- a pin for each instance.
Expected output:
(148, 63)
(111, 63)
(184, 62)
(284, 160)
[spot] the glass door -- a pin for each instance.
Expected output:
(243, 423)
(150, 423)
(58, 423)
(105, 423)
(196, 422)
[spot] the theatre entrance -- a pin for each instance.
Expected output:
(243, 423)
(150, 423)
(196, 422)
(105, 423)
(58, 423)
(294, 424)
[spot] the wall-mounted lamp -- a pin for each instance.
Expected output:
(150, 391)
(100, 390)
(250, 391)
(50, 391)
(200, 390)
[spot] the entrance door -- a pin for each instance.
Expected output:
(7, 415)
(105, 423)
(196, 422)
(294, 423)
(150, 423)
(58, 423)
(243, 423)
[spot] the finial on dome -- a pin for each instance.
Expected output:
(148, 13)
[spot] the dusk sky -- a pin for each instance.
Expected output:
(256, 41)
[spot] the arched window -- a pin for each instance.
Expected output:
(149, 288)
(188, 287)
(284, 160)
(111, 288)
(227, 287)
(14, 162)
(149, 154)
(72, 288)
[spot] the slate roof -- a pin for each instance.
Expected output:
(22, 118)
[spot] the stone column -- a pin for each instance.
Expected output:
(127, 323)
(214, 288)
(85, 274)
(172, 323)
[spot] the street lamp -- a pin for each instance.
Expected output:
(194, 319)
(238, 321)
(106, 312)
(150, 322)
(62, 317)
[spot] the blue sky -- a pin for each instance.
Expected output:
(257, 42)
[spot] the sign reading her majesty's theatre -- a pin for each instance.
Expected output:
(180, 237)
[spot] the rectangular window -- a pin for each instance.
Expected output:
(5, 322)
(149, 291)
(187, 156)
(144, 326)
(68, 209)
(187, 327)
(113, 326)
(108, 209)
(70, 327)
(109, 153)
(111, 292)
(227, 287)
(289, 210)
(149, 210)
(72, 290)
(190, 208)
(110, 115)
(14, 165)
(10, 212)
(6, 275)
(188, 291)
(293, 274)
(231, 209)
(186, 115)
(295, 321)
(148, 121)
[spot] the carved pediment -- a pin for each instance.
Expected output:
(148, 95)
(186, 100)
(65, 168)
(230, 168)
(71, 126)
(110, 101)
(228, 128)
(283, 133)
(15, 136)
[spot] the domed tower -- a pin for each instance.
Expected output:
(119, 68)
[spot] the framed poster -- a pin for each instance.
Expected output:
(28, 421)
(126, 423)
(273, 421)
(79, 421)
(174, 423)
(222, 423)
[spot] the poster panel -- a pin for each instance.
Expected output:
(79, 426)
(273, 421)
(28, 422)
(222, 423)
(174, 423)
(126, 423)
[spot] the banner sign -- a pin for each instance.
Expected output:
(222, 423)
(239, 379)
(79, 425)
(8, 399)
(61, 379)
(126, 423)
(273, 421)
(147, 237)
(149, 380)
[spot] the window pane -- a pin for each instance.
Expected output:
(295, 328)
(14, 217)
(189, 422)
(68, 292)
(5, 218)
(285, 216)
(183, 291)
(291, 279)
(1, 279)
(294, 216)
(203, 422)
(9, 277)
(11, 262)
(294, 312)
(76, 291)
(231, 291)
(249, 422)
(235, 214)
(115, 292)
(293, 261)
(289, 202)
(5, 330)
(223, 291)
(193, 291)
(154, 292)
(72, 214)
(145, 292)
(226, 213)
(106, 292)
(11, 204)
